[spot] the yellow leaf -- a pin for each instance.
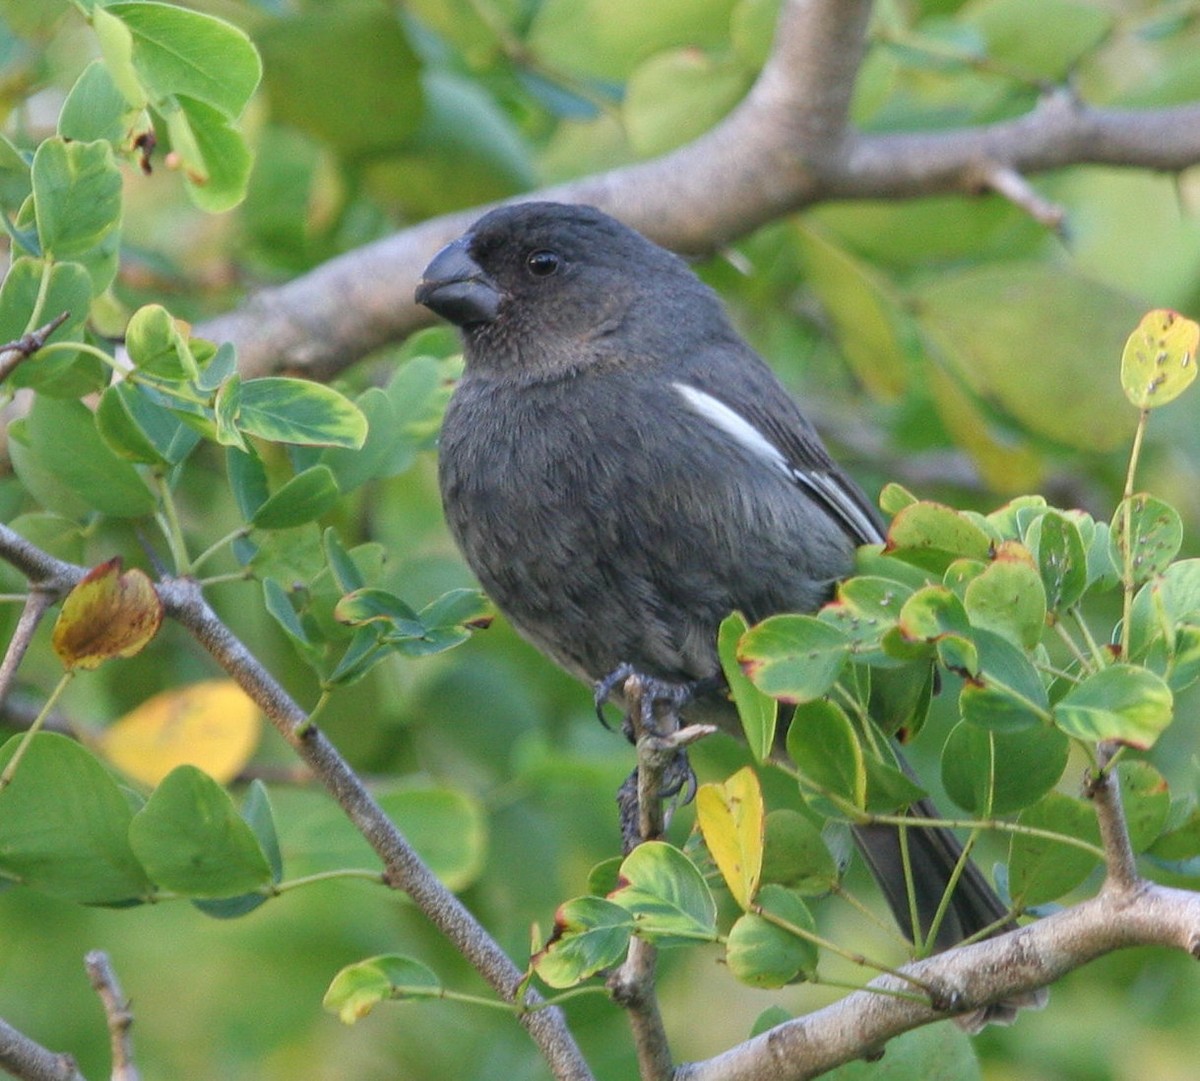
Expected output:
(1159, 361)
(731, 820)
(108, 614)
(212, 725)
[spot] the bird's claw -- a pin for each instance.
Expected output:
(656, 694)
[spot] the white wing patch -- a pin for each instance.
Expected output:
(824, 487)
(731, 423)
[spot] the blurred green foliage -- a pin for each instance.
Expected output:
(952, 333)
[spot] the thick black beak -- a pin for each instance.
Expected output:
(455, 286)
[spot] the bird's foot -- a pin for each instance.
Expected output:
(653, 723)
(656, 702)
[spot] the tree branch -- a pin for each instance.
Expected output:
(998, 968)
(116, 1013)
(31, 615)
(1103, 788)
(30, 1061)
(403, 868)
(184, 602)
(787, 145)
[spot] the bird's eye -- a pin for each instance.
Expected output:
(542, 263)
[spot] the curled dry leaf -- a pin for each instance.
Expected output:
(110, 613)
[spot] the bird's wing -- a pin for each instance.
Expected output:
(750, 406)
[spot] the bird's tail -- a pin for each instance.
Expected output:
(933, 854)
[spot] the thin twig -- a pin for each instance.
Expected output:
(36, 603)
(1005, 180)
(15, 353)
(116, 1012)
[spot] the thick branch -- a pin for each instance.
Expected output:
(1032, 957)
(785, 147)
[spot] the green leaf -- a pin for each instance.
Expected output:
(794, 658)
(136, 427)
(448, 829)
(116, 46)
(248, 479)
(1147, 802)
(865, 608)
(77, 203)
(225, 406)
(302, 412)
(67, 289)
(360, 987)
(213, 156)
(795, 855)
(256, 810)
(1058, 547)
(758, 711)
(1007, 694)
(62, 435)
(191, 839)
(934, 615)
(348, 77)
(64, 825)
(373, 605)
(1121, 702)
(175, 51)
(1152, 537)
(608, 38)
(590, 935)
(995, 773)
(678, 94)
(1159, 360)
(465, 151)
(305, 497)
(992, 322)
(279, 606)
(822, 743)
(1040, 869)
(864, 312)
(932, 536)
(352, 468)
(158, 344)
(1008, 597)
(1165, 625)
(670, 902)
(762, 953)
(95, 109)
(934, 1053)
(889, 789)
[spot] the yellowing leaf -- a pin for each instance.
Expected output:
(1159, 361)
(731, 820)
(110, 613)
(211, 725)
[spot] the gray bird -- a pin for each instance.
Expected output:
(621, 471)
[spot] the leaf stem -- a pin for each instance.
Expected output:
(1127, 527)
(11, 769)
(989, 824)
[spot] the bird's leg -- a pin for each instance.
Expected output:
(653, 723)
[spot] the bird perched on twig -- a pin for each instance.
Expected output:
(621, 471)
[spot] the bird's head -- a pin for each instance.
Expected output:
(549, 287)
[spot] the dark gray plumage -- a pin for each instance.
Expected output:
(621, 470)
